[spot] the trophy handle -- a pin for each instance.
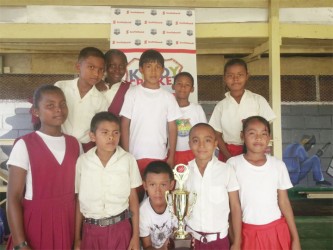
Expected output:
(190, 207)
(169, 205)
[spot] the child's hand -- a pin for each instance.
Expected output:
(295, 245)
(77, 244)
(170, 162)
(134, 244)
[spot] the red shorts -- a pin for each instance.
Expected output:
(183, 157)
(233, 150)
(274, 235)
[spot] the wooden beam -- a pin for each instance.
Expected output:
(306, 31)
(146, 3)
(257, 52)
(274, 75)
(174, 3)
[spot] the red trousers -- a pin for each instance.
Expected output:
(233, 150)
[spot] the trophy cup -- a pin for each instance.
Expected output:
(178, 203)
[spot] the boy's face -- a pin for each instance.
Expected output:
(156, 185)
(203, 143)
(115, 68)
(151, 73)
(236, 77)
(91, 70)
(106, 136)
(183, 87)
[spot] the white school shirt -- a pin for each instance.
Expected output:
(258, 188)
(81, 110)
(228, 115)
(104, 191)
(19, 157)
(211, 210)
(158, 226)
(149, 111)
(191, 115)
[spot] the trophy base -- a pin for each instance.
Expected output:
(182, 244)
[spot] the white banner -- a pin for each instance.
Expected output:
(171, 32)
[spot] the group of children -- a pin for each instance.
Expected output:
(59, 198)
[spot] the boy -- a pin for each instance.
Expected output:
(83, 99)
(106, 181)
(216, 187)
(149, 115)
(113, 87)
(192, 113)
(156, 221)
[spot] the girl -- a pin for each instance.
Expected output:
(268, 220)
(41, 198)
(237, 105)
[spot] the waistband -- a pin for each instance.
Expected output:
(110, 220)
(204, 237)
(264, 226)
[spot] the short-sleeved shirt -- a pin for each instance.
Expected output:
(104, 191)
(149, 110)
(228, 115)
(258, 188)
(211, 210)
(158, 226)
(192, 115)
(80, 110)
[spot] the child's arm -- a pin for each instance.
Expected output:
(134, 208)
(236, 219)
(78, 224)
(287, 212)
(221, 145)
(125, 126)
(172, 130)
(16, 184)
(147, 244)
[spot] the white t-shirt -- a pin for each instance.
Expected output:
(192, 115)
(149, 111)
(258, 188)
(81, 110)
(19, 156)
(211, 210)
(104, 191)
(158, 226)
(228, 114)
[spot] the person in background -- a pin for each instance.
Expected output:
(299, 163)
(41, 197)
(83, 99)
(238, 104)
(105, 183)
(192, 113)
(113, 86)
(268, 219)
(156, 221)
(148, 116)
(216, 187)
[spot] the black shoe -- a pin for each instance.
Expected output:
(323, 183)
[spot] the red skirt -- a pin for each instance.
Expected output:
(274, 235)
(183, 157)
(233, 150)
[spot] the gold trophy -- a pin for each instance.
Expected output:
(178, 203)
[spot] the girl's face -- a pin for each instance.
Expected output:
(52, 109)
(235, 77)
(256, 137)
(115, 68)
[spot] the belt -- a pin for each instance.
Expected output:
(203, 237)
(110, 220)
